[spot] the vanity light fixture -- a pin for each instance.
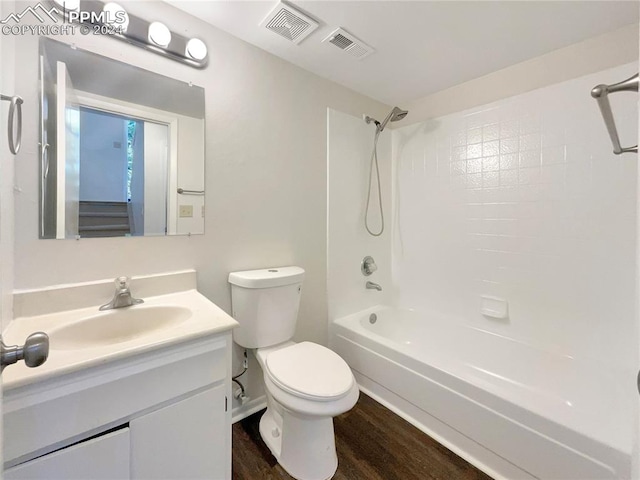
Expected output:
(72, 5)
(116, 15)
(159, 34)
(196, 49)
(153, 36)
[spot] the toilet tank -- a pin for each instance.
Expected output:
(265, 304)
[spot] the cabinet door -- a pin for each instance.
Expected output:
(101, 458)
(185, 441)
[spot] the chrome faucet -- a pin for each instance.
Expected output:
(373, 286)
(122, 297)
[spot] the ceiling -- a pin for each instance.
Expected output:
(421, 46)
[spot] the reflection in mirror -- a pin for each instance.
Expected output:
(118, 145)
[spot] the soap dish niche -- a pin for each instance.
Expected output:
(494, 307)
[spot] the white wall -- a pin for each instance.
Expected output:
(156, 150)
(8, 86)
(583, 58)
(523, 199)
(265, 173)
(190, 174)
(349, 155)
(635, 464)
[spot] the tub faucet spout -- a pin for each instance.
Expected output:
(373, 286)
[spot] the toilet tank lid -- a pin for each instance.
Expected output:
(267, 277)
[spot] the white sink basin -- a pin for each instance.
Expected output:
(116, 326)
(82, 337)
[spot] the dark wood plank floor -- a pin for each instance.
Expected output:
(372, 442)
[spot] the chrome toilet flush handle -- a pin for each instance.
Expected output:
(15, 140)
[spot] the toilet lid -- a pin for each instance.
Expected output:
(309, 370)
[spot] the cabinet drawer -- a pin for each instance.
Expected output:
(102, 458)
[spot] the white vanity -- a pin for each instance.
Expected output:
(140, 392)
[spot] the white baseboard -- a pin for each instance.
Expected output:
(252, 406)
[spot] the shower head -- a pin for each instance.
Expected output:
(395, 115)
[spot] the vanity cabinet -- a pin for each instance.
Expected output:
(160, 414)
(102, 458)
(197, 432)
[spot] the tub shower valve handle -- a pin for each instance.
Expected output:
(34, 352)
(368, 266)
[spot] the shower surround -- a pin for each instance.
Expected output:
(524, 200)
(517, 209)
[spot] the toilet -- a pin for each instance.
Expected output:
(306, 384)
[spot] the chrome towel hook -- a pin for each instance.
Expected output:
(16, 106)
(600, 93)
(183, 191)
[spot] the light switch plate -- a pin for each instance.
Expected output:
(186, 210)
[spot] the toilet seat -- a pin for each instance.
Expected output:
(310, 371)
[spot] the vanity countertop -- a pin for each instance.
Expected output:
(204, 318)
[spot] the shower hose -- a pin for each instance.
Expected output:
(374, 161)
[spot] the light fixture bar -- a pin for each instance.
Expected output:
(152, 36)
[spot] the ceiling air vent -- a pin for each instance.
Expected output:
(350, 44)
(290, 23)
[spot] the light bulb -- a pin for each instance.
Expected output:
(196, 49)
(116, 16)
(69, 4)
(159, 34)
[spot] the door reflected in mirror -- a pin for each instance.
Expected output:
(124, 149)
(123, 167)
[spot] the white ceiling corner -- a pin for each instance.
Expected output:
(420, 46)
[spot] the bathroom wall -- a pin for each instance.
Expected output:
(7, 161)
(522, 199)
(635, 463)
(350, 143)
(266, 200)
(7, 87)
(583, 58)
(265, 170)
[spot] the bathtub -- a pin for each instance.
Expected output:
(511, 409)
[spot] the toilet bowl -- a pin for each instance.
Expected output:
(306, 385)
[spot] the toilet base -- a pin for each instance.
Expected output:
(304, 446)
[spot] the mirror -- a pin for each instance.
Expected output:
(122, 148)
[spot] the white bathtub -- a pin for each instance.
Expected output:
(513, 410)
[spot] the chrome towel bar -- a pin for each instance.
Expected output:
(600, 93)
(182, 191)
(16, 106)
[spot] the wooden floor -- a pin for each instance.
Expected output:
(372, 442)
